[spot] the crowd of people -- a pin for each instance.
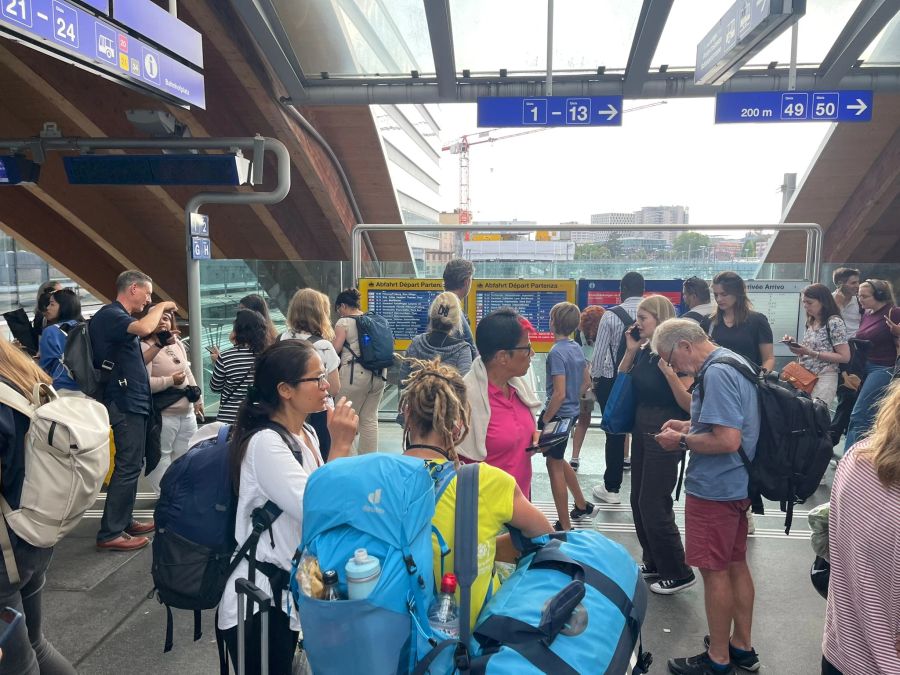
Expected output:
(469, 398)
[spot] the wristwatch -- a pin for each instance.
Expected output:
(682, 443)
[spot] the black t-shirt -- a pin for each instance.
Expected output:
(743, 339)
(129, 386)
(651, 388)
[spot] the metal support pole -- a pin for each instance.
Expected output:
(549, 87)
(792, 73)
(173, 7)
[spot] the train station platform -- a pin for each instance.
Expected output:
(97, 613)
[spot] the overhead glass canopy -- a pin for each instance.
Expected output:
(450, 42)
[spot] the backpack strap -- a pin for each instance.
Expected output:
(696, 316)
(626, 320)
(465, 560)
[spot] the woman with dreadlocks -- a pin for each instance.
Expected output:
(437, 419)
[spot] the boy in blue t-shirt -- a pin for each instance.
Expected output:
(567, 379)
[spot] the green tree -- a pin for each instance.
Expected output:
(613, 244)
(690, 243)
(592, 252)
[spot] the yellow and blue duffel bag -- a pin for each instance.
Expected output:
(574, 606)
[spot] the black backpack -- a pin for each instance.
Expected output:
(376, 342)
(794, 447)
(78, 359)
(627, 321)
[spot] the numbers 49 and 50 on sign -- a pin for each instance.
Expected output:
(794, 106)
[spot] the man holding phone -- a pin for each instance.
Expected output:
(115, 338)
(716, 483)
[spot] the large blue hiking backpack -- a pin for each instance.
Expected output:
(385, 504)
(194, 551)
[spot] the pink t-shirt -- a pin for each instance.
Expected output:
(509, 433)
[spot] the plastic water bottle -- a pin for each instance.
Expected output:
(362, 571)
(330, 579)
(443, 616)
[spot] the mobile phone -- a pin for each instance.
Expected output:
(163, 337)
(9, 619)
(635, 333)
(210, 349)
(791, 343)
(556, 428)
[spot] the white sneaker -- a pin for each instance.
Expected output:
(751, 523)
(601, 493)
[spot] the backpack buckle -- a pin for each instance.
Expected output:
(461, 657)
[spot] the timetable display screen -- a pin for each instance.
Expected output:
(606, 292)
(403, 302)
(531, 299)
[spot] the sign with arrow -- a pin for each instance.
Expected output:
(550, 111)
(794, 106)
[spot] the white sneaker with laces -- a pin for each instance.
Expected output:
(602, 494)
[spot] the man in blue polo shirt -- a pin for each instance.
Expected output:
(115, 338)
(716, 482)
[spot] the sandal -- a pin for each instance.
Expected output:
(574, 463)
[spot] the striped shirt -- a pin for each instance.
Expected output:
(862, 621)
(232, 376)
(609, 336)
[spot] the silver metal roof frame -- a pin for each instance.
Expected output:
(867, 21)
(813, 256)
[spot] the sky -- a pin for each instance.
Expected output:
(671, 154)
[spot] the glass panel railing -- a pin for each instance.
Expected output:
(225, 282)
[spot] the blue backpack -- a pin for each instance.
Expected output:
(194, 551)
(385, 504)
(376, 343)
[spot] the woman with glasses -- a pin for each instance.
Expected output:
(735, 326)
(880, 325)
(63, 312)
(169, 368)
(504, 405)
(660, 395)
(824, 344)
(272, 454)
(233, 369)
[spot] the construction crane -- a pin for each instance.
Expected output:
(461, 147)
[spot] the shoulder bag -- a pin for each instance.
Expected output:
(618, 413)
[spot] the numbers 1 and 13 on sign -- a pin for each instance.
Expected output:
(549, 111)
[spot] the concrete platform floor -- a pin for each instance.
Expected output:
(97, 613)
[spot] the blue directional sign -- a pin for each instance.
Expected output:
(200, 248)
(550, 111)
(155, 23)
(61, 27)
(794, 106)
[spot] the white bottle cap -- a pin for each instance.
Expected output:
(360, 555)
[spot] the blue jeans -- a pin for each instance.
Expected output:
(866, 406)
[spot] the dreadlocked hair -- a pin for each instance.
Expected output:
(434, 399)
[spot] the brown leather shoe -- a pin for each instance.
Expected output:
(137, 529)
(124, 542)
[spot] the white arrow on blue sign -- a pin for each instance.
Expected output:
(794, 106)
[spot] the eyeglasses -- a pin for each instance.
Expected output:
(527, 348)
(669, 360)
(321, 380)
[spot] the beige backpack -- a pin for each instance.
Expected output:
(66, 459)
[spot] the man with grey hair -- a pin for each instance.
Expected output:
(115, 339)
(724, 420)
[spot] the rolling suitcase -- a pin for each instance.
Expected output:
(247, 591)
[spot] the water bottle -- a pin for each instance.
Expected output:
(362, 571)
(330, 578)
(443, 615)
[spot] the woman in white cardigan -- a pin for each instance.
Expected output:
(504, 404)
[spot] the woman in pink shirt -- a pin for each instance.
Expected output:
(503, 403)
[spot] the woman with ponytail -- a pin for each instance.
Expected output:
(273, 452)
(437, 420)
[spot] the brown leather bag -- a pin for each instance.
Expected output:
(799, 377)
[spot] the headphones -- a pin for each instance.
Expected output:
(879, 289)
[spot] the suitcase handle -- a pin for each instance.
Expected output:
(244, 587)
(253, 592)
